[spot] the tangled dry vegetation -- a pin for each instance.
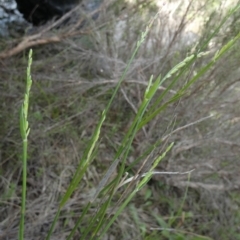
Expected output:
(73, 78)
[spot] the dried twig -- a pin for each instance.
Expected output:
(186, 126)
(40, 39)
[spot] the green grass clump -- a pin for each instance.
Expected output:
(106, 201)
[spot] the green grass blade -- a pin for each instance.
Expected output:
(148, 176)
(172, 220)
(214, 33)
(118, 212)
(79, 221)
(53, 224)
(84, 162)
(82, 167)
(24, 130)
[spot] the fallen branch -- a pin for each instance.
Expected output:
(41, 39)
(31, 42)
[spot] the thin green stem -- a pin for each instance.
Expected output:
(24, 190)
(24, 130)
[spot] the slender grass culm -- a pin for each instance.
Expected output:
(24, 129)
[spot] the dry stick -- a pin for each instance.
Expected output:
(100, 82)
(154, 173)
(210, 187)
(180, 231)
(26, 43)
(218, 140)
(227, 86)
(186, 126)
(63, 122)
(128, 101)
(36, 39)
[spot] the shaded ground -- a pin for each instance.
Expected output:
(72, 83)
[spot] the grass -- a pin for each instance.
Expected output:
(104, 197)
(24, 129)
(139, 126)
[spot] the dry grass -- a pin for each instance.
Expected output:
(72, 83)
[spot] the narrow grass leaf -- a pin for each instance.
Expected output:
(104, 180)
(148, 176)
(85, 161)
